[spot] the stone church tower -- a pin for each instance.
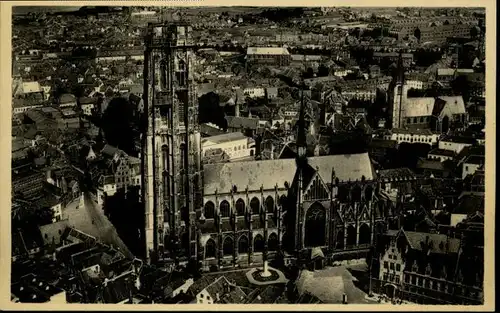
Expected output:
(398, 92)
(171, 145)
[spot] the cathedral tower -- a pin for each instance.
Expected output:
(301, 160)
(171, 145)
(398, 90)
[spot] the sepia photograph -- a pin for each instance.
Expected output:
(248, 155)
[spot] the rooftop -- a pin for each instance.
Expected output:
(439, 243)
(267, 51)
(218, 139)
(475, 159)
(469, 204)
(459, 139)
(442, 152)
(269, 173)
(426, 132)
(396, 172)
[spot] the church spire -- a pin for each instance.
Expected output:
(400, 70)
(301, 129)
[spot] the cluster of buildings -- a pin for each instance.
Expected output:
(275, 180)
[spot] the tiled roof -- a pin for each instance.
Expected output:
(269, 173)
(267, 51)
(442, 152)
(469, 204)
(474, 159)
(201, 284)
(118, 289)
(52, 233)
(419, 106)
(226, 137)
(396, 173)
(242, 122)
(67, 98)
(459, 139)
(439, 243)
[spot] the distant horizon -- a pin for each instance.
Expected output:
(21, 9)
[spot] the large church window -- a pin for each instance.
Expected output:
(210, 249)
(364, 234)
(225, 211)
(368, 193)
(243, 244)
(228, 246)
(209, 209)
(340, 240)
(240, 207)
(351, 236)
(343, 194)
(356, 194)
(258, 243)
(270, 204)
(315, 226)
(185, 241)
(318, 191)
(255, 205)
(185, 214)
(272, 242)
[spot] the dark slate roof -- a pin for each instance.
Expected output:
(242, 122)
(442, 152)
(475, 159)
(440, 244)
(383, 143)
(392, 173)
(109, 150)
(201, 284)
(469, 204)
(430, 164)
(118, 289)
(53, 232)
(459, 139)
(268, 295)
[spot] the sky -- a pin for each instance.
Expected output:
(27, 9)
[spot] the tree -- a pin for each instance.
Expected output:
(119, 123)
(461, 85)
(210, 110)
(323, 71)
(309, 73)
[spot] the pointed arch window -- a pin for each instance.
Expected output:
(243, 244)
(255, 205)
(351, 236)
(315, 226)
(209, 209)
(270, 204)
(272, 242)
(210, 249)
(240, 207)
(225, 210)
(228, 246)
(258, 243)
(364, 234)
